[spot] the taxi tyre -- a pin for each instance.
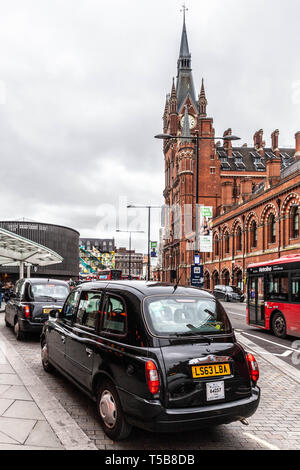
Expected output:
(114, 425)
(45, 362)
(278, 320)
(18, 333)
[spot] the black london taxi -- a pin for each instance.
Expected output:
(155, 356)
(30, 303)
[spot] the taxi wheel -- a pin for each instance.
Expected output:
(18, 333)
(45, 360)
(278, 325)
(110, 412)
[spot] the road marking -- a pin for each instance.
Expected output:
(284, 354)
(283, 366)
(261, 441)
(268, 341)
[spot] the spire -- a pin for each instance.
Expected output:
(173, 99)
(185, 84)
(184, 61)
(202, 102)
(186, 126)
(184, 45)
(173, 91)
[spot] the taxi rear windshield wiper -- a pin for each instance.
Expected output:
(194, 333)
(46, 297)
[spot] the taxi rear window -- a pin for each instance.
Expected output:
(184, 316)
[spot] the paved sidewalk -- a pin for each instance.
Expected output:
(30, 416)
(22, 424)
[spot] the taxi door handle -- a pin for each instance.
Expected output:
(63, 339)
(89, 352)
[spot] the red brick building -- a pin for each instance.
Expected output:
(254, 191)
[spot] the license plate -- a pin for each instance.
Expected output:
(48, 310)
(215, 391)
(212, 370)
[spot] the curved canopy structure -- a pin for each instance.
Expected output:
(19, 251)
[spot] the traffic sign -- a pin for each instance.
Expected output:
(197, 275)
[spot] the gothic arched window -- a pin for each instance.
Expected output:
(271, 229)
(226, 242)
(253, 234)
(238, 239)
(294, 222)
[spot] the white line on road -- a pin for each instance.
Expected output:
(268, 341)
(261, 441)
(239, 314)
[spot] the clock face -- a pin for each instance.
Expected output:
(192, 121)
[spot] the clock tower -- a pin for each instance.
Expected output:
(184, 116)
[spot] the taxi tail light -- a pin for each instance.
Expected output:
(253, 367)
(26, 310)
(152, 377)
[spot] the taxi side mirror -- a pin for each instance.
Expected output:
(54, 313)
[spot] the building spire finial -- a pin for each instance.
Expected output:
(184, 9)
(202, 102)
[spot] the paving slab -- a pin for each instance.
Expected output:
(6, 369)
(24, 447)
(4, 439)
(10, 379)
(24, 410)
(4, 388)
(43, 436)
(5, 403)
(16, 392)
(17, 429)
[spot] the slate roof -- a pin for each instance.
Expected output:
(248, 159)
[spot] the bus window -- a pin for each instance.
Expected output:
(295, 288)
(277, 287)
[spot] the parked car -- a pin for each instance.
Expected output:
(30, 303)
(151, 355)
(228, 293)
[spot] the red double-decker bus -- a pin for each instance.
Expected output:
(273, 290)
(110, 274)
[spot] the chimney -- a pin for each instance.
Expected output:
(258, 142)
(274, 139)
(245, 189)
(226, 195)
(227, 143)
(273, 171)
(297, 148)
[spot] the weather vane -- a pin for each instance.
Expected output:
(184, 9)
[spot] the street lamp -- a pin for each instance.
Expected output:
(130, 232)
(132, 206)
(196, 138)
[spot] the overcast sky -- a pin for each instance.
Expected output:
(82, 93)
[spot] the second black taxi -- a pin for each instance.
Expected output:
(159, 357)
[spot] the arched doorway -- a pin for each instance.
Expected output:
(206, 280)
(226, 277)
(215, 279)
(238, 278)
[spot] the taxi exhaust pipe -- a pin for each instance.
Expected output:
(244, 421)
